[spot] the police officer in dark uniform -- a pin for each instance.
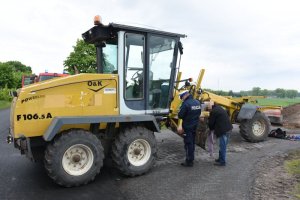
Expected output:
(190, 111)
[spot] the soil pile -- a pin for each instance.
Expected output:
(291, 116)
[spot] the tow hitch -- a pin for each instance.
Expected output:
(9, 139)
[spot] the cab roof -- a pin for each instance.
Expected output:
(101, 32)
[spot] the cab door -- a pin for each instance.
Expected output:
(134, 71)
(162, 66)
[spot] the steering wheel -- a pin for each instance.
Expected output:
(136, 75)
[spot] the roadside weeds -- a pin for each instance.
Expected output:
(4, 104)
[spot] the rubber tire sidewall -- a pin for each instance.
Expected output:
(55, 151)
(120, 148)
(246, 128)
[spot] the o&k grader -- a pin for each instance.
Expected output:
(73, 122)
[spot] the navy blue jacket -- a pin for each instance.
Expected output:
(219, 121)
(190, 111)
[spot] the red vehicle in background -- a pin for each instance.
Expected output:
(47, 76)
(29, 79)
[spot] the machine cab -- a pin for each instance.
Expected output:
(145, 61)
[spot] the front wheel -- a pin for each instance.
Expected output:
(134, 151)
(74, 158)
(255, 129)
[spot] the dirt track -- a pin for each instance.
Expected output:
(291, 116)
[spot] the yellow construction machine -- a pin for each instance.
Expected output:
(253, 120)
(73, 122)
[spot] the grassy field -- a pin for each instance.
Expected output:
(278, 102)
(4, 104)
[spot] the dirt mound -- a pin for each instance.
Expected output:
(291, 116)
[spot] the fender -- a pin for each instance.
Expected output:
(247, 112)
(58, 122)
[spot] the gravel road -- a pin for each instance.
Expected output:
(21, 179)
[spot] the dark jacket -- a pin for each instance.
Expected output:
(219, 121)
(190, 111)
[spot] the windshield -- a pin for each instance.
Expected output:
(43, 78)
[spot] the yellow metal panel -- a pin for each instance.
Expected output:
(78, 95)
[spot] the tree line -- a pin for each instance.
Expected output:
(257, 91)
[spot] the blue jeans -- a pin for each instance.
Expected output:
(223, 144)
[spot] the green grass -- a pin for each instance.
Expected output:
(293, 167)
(278, 101)
(4, 104)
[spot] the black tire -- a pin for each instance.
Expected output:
(138, 142)
(72, 150)
(255, 129)
(202, 133)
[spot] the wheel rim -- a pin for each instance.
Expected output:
(77, 159)
(258, 128)
(139, 152)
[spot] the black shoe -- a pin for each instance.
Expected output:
(187, 164)
(220, 164)
(217, 160)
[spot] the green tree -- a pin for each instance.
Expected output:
(264, 92)
(6, 76)
(244, 93)
(83, 57)
(18, 70)
(291, 93)
(280, 93)
(18, 78)
(256, 91)
(19, 67)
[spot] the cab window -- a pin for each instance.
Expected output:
(134, 66)
(110, 58)
(161, 51)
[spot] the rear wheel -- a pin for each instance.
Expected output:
(74, 158)
(134, 151)
(255, 129)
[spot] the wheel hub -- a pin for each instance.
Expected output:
(258, 128)
(139, 152)
(77, 159)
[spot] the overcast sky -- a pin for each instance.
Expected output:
(241, 43)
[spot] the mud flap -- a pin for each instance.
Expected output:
(247, 112)
(202, 133)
